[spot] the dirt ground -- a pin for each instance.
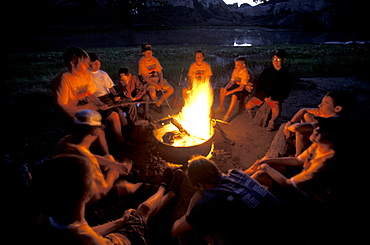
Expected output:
(246, 143)
(250, 142)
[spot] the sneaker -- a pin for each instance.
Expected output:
(167, 178)
(178, 178)
(226, 118)
(271, 126)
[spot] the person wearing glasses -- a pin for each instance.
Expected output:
(273, 87)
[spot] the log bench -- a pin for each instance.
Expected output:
(280, 147)
(263, 115)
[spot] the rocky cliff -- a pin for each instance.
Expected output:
(311, 14)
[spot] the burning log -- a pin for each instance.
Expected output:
(178, 125)
(190, 132)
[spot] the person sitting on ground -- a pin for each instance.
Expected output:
(302, 124)
(273, 87)
(63, 200)
(221, 204)
(199, 71)
(317, 163)
(105, 171)
(150, 71)
(238, 87)
(131, 89)
(73, 91)
(106, 92)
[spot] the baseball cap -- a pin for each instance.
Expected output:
(146, 47)
(88, 117)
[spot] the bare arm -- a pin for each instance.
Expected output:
(97, 102)
(286, 161)
(109, 227)
(124, 168)
(276, 175)
(181, 225)
(298, 116)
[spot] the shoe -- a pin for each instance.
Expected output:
(271, 126)
(220, 110)
(226, 118)
(178, 178)
(251, 113)
(156, 108)
(148, 118)
(167, 178)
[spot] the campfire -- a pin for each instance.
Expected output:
(189, 132)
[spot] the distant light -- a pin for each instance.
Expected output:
(242, 45)
(239, 2)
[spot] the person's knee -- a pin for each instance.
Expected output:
(144, 209)
(170, 89)
(145, 97)
(113, 117)
(249, 105)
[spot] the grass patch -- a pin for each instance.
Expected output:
(28, 75)
(303, 61)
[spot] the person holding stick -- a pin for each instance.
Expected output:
(131, 89)
(74, 90)
(238, 87)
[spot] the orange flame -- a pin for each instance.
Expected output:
(195, 116)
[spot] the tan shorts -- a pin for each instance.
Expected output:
(164, 84)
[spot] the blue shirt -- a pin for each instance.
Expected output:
(235, 199)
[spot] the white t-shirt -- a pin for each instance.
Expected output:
(102, 82)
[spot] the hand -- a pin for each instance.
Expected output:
(267, 99)
(228, 93)
(256, 165)
(103, 107)
(158, 87)
(125, 166)
(287, 131)
(109, 157)
(127, 214)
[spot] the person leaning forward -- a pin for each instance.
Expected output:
(150, 71)
(225, 207)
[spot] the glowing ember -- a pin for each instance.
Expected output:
(194, 117)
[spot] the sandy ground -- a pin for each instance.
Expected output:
(250, 142)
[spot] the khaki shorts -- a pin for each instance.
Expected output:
(164, 84)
